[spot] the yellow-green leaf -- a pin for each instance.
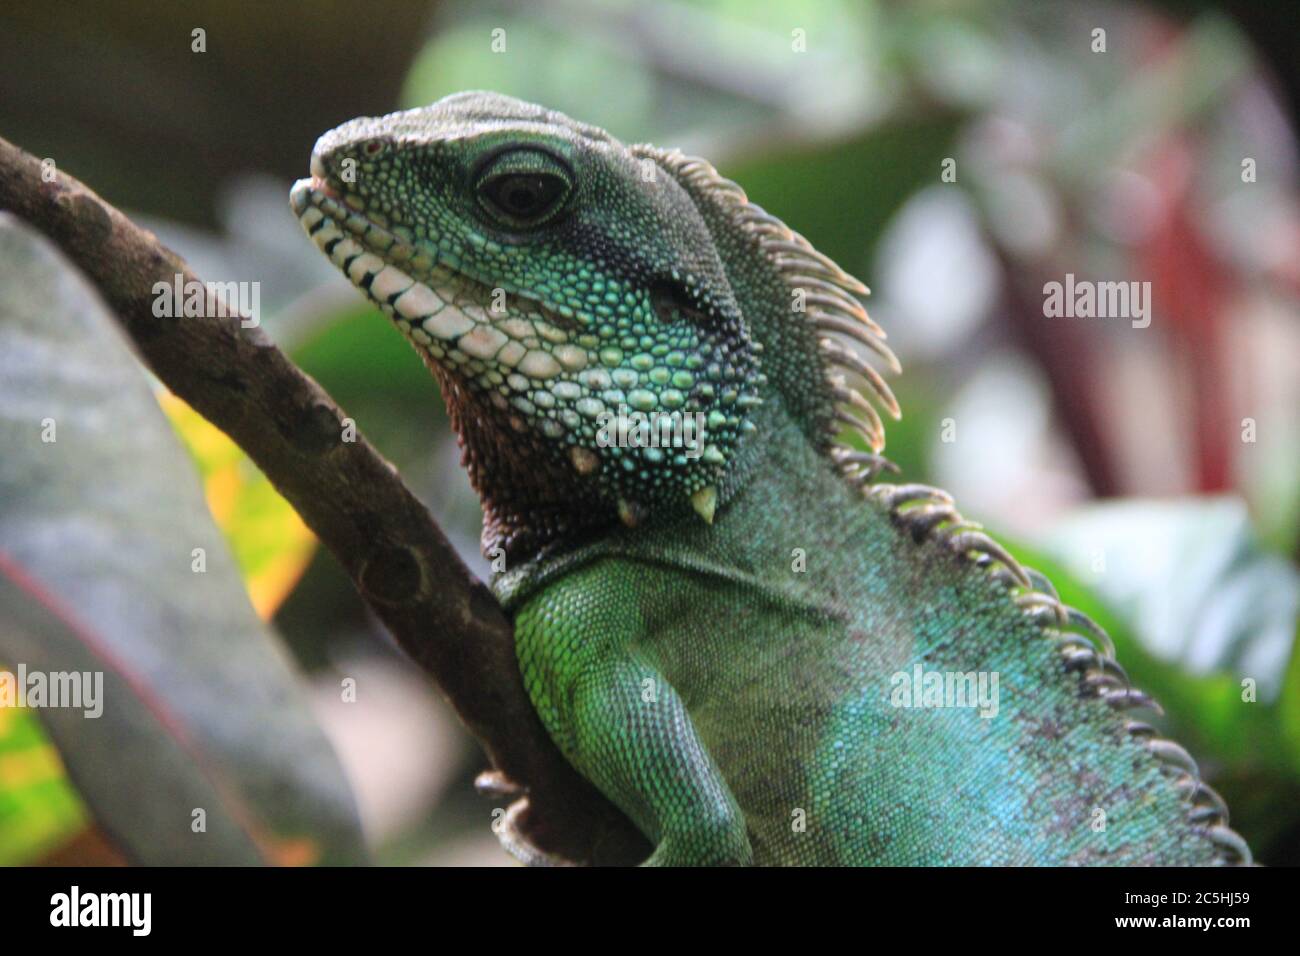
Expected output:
(271, 544)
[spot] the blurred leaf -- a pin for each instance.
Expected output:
(1194, 604)
(1208, 711)
(99, 528)
(1192, 579)
(271, 544)
(39, 808)
(1245, 750)
(1289, 703)
(842, 194)
(663, 71)
(560, 68)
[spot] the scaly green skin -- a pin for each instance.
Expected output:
(713, 634)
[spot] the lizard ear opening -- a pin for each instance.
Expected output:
(669, 299)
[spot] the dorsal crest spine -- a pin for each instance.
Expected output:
(828, 296)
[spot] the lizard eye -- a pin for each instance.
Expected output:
(523, 188)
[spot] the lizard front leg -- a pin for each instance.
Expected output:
(624, 727)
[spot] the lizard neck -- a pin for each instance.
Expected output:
(530, 501)
(534, 504)
(791, 496)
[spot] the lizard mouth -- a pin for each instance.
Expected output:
(321, 185)
(465, 325)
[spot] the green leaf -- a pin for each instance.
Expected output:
(39, 808)
(101, 523)
(1194, 604)
(1193, 580)
(271, 544)
(1247, 751)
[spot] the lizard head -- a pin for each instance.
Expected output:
(567, 295)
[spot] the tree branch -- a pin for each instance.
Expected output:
(349, 495)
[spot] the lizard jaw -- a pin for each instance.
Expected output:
(439, 308)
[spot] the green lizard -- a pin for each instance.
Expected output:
(737, 633)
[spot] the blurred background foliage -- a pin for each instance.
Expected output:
(1150, 472)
